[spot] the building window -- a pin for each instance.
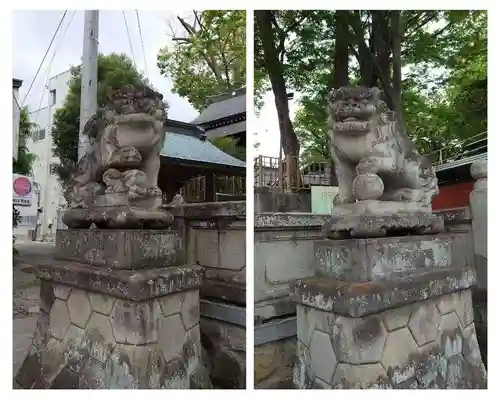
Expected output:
(39, 135)
(52, 97)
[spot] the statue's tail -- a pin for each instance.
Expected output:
(430, 185)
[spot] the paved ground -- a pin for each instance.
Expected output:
(25, 296)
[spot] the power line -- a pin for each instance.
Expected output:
(129, 40)
(40, 66)
(50, 65)
(60, 42)
(17, 102)
(142, 43)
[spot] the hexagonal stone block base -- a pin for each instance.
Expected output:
(94, 340)
(428, 344)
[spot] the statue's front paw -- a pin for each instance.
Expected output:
(365, 167)
(126, 155)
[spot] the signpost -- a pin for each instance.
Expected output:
(323, 198)
(22, 190)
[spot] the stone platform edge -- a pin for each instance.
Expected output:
(132, 285)
(355, 299)
(455, 215)
(209, 210)
(308, 220)
(291, 220)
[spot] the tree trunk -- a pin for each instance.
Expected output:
(396, 32)
(340, 73)
(274, 68)
(366, 66)
(371, 52)
(372, 58)
(341, 52)
(382, 50)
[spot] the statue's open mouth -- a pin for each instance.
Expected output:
(135, 118)
(352, 124)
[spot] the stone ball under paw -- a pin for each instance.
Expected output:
(368, 187)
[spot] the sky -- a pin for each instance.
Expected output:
(32, 32)
(266, 127)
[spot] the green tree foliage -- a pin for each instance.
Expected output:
(113, 72)
(24, 163)
(208, 58)
(442, 56)
(25, 159)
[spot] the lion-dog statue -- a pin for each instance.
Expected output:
(373, 156)
(126, 138)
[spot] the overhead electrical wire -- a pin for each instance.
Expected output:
(17, 102)
(45, 56)
(142, 43)
(129, 40)
(50, 65)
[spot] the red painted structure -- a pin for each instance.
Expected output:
(454, 178)
(455, 183)
(453, 196)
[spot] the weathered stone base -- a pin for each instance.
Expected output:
(141, 338)
(117, 217)
(480, 303)
(427, 344)
(359, 220)
(122, 249)
(224, 345)
(382, 258)
(355, 299)
(273, 364)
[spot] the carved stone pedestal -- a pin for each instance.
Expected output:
(117, 310)
(117, 217)
(109, 328)
(386, 313)
(379, 219)
(121, 249)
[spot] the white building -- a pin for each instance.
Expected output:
(50, 192)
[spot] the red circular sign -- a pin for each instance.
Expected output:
(22, 186)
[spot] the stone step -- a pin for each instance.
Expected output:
(275, 330)
(221, 311)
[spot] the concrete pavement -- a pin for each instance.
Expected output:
(25, 308)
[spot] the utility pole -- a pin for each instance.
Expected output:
(88, 104)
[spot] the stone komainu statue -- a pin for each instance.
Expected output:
(126, 138)
(116, 183)
(373, 158)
